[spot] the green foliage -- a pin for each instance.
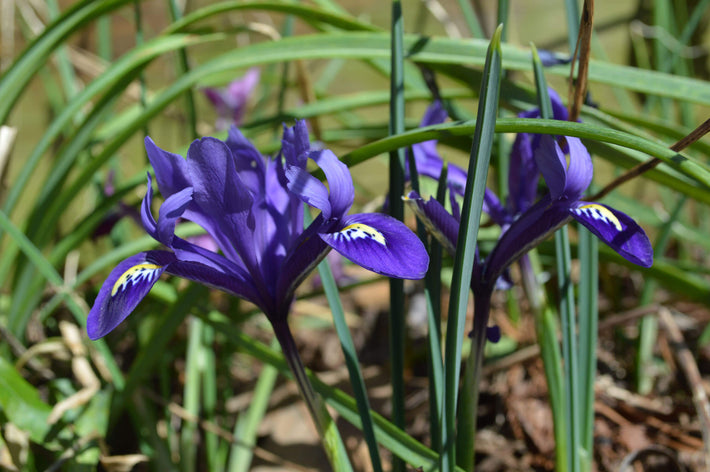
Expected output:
(60, 234)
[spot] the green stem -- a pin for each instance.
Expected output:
(327, 430)
(468, 410)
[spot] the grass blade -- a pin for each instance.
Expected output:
(464, 261)
(397, 326)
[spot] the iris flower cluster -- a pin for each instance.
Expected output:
(566, 166)
(252, 206)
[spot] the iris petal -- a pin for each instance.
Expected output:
(437, 220)
(381, 244)
(580, 170)
(618, 230)
(124, 288)
(552, 163)
(309, 189)
(295, 144)
(342, 191)
(170, 169)
(223, 198)
(247, 159)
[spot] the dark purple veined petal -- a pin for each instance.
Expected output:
(224, 199)
(235, 283)
(124, 288)
(172, 175)
(439, 222)
(526, 232)
(247, 159)
(381, 244)
(618, 230)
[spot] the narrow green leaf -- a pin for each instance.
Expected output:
(465, 254)
(569, 347)
(588, 332)
(397, 325)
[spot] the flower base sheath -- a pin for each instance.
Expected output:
(252, 207)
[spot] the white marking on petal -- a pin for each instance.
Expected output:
(137, 273)
(599, 212)
(360, 231)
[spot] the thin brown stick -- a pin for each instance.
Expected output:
(687, 363)
(583, 48)
(635, 171)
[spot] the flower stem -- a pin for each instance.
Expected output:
(468, 409)
(327, 430)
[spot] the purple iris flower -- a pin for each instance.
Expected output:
(230, 102)
(253, 208)
(567, 183)
(523, 176)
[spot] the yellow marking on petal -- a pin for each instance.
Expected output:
(362, 231)
(600, 212)
(133, 275)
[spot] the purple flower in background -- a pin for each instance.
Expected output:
(230, 102)
(253, 208)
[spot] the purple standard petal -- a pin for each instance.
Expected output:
(223, 198)
(559, 110)
(617, 230)
(381, 244)
(579, 171)
(295, 144)
(552, 163)
(523, 175)
(170, 211)
(247, 159)
(308, 189)
(170, 169)
(124, 288)
(342, 192)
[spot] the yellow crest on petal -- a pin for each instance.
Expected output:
(134, 275)
(600, 212)
(361, 231)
